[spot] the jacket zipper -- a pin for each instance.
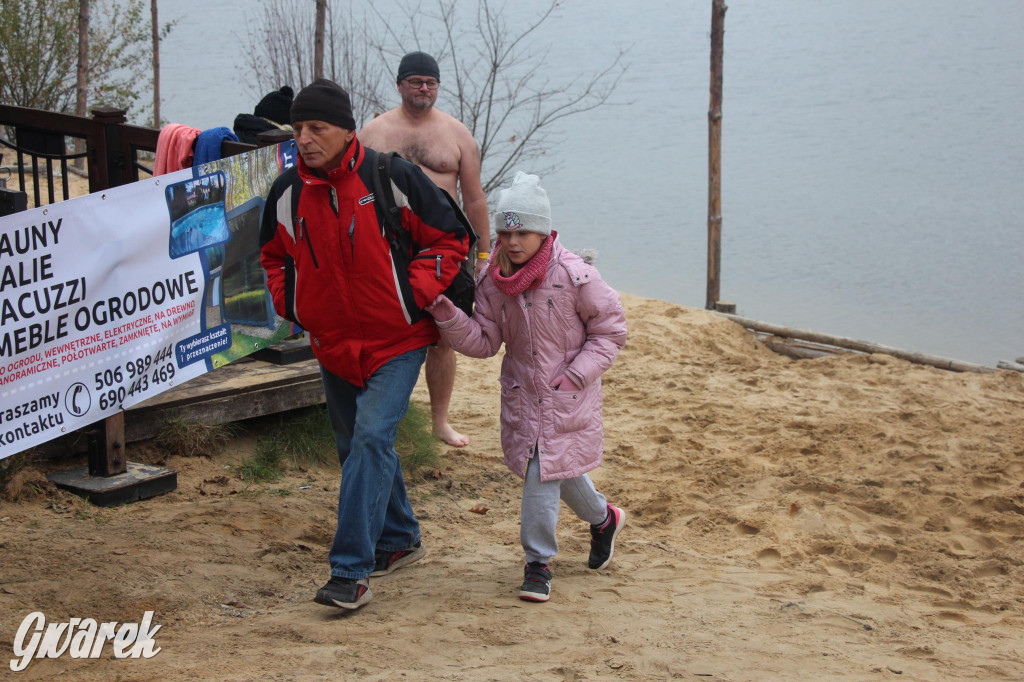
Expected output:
(351, 236)
(559, 323)
(304, 235)
(437, 257)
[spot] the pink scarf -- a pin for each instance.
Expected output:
(529, 276)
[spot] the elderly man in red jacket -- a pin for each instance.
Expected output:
(331, 269)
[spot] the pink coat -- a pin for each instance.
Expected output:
(572, 324)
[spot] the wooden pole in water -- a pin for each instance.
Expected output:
(81, 76)
(155, 33)
(718, 8)
(318, 39)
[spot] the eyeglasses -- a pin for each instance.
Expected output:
(416, 83)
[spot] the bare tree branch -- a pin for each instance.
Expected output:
(280, 49)
(496, 77)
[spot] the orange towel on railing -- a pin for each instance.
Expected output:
(174, 148)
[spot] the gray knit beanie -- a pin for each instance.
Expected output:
(418, 64)
(523, 207)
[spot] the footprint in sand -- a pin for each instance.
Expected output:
(886, 555)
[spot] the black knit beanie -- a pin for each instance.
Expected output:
(323, 100)
(418, 64)
(276, 106)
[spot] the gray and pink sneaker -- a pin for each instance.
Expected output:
(602, 538)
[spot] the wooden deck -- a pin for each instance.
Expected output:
(244, 389)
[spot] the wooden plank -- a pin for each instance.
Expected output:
(236, 378)
(1015, 366)
(238, 391)
(146, 422)
(285, 352)
(138, 482)
(858, 345)
(795, 349)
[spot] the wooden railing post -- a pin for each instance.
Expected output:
(106, 453)
(110, 157)
(107, 457)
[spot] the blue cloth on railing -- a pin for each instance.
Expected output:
(208, 144)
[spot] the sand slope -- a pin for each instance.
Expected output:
(850, 518)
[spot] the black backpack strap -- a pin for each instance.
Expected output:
(269, 218)
(289, 180)
(296, 183)
(384, 196)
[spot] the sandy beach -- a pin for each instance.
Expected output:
(843, 518)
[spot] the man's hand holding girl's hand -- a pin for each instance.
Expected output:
(442, 309)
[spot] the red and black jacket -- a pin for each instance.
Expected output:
(331, 270)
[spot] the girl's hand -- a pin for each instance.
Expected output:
(442, 309)
(563, 383)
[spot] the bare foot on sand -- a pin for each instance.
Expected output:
(449, 435)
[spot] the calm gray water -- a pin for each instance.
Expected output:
(872, 156)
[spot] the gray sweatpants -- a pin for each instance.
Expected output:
(541, 504)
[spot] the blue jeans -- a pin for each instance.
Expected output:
(374, 513)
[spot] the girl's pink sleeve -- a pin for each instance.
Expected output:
(600, 308)
(478, 336)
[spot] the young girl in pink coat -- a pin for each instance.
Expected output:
(562, 327)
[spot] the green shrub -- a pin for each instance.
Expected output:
(189, 438)
(264, 465)
(302, 437)
(305, 438)
(415, 444)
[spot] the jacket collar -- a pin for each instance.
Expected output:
(349, 162)
(580, 272)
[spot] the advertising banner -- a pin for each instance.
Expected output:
(111, 298)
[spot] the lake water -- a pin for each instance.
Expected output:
(872, 156)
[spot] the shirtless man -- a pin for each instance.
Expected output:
(446, 151)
